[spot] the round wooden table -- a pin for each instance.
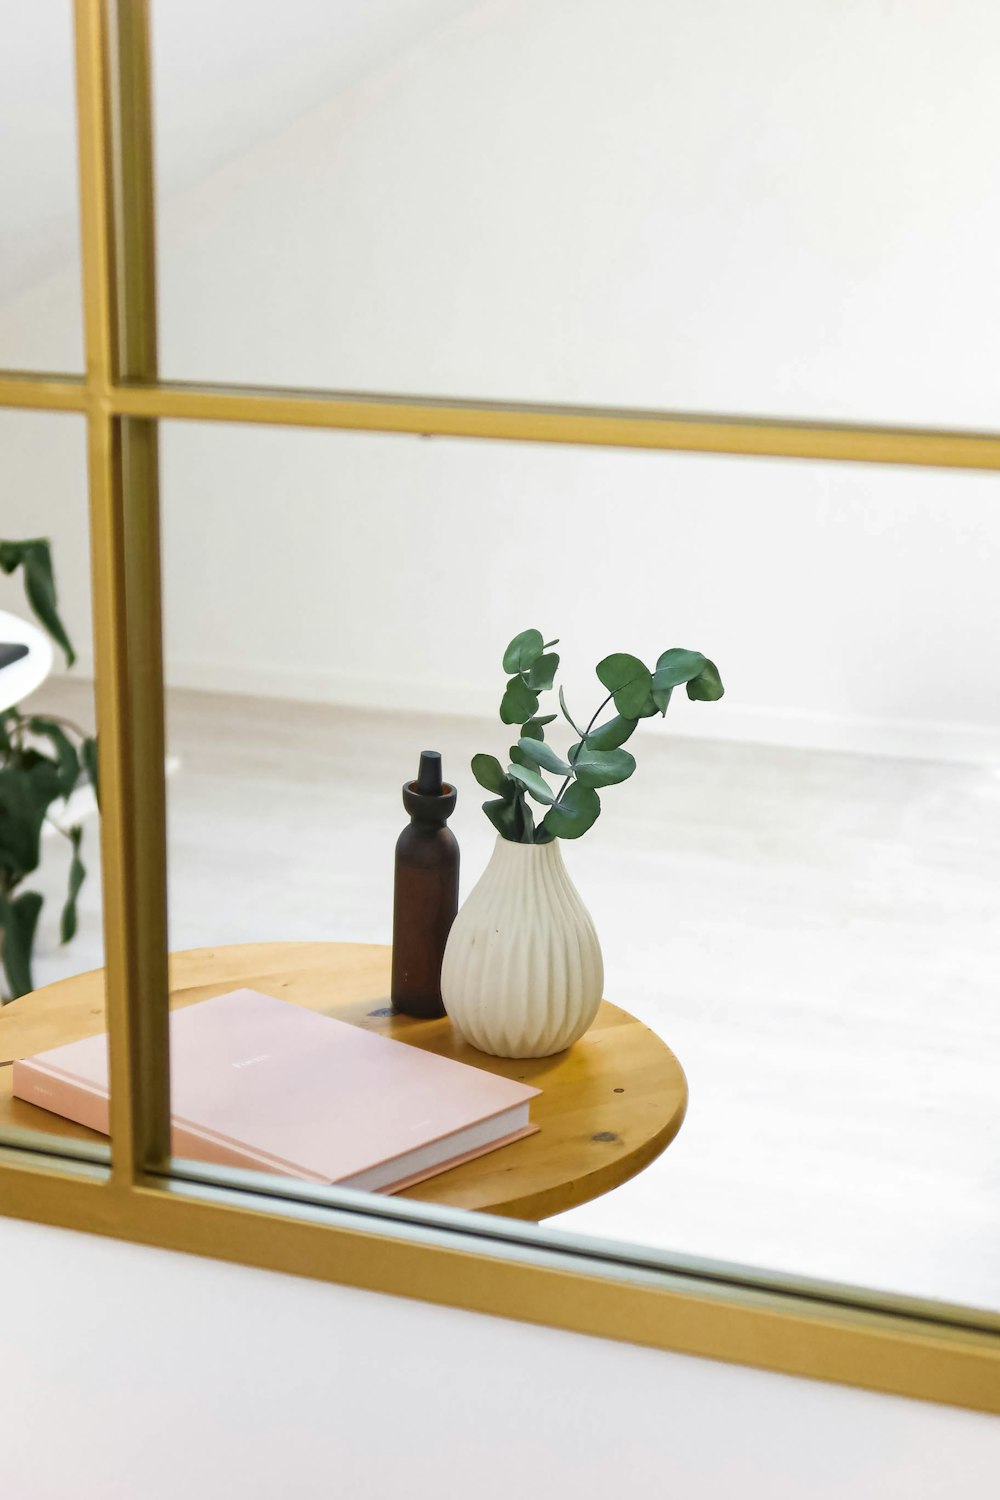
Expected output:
(609, 1105)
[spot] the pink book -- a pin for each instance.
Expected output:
(261, 1083)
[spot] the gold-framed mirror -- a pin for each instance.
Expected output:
(769, 540)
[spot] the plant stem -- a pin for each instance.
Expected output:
(66, 723)
(19, 727)
(573, 758)
(58, 828)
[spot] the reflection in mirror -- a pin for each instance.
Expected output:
(50, 868)
(767, 209)
(794, 892)
(41, 326)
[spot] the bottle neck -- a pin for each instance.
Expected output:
(433, 810)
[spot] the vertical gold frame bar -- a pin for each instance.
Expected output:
(116, 187)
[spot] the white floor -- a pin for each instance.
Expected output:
(815, 935)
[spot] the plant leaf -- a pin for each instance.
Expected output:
(650, 707)
(68, 760)
(523, 650)
(578, 809)
(527, 821)
(540, 754)
(18, 920)
(25, 795)
(707, 686)
(535, 728)
(39, 584)
(628, 680)
(567, 715)
(77, 875)
(519, 703)
(610, 735)
(532, 782)
(676, 666)
(542, 674)
(661, 697)
(603, 767)
(489, 772)
(88, 754)
(504, 817)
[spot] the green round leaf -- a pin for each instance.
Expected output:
(535, 728)
(523, 650)
(577, 810)
(489, 773)
(539, 754)
(519, 703)
(610, 735)
(628, 680)
(603, 767)
(566, 713)
(506, 819)
(707, 686)
(676, 666)
(533, 782)
(542, 673)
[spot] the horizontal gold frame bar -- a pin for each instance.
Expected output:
(42, 392)
(523, 422)
(771, 1330)
(605, 427)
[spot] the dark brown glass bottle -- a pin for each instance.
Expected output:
(425, 896)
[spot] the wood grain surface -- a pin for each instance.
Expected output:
(609, 1105)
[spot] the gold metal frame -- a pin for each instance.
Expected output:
(135, 1192)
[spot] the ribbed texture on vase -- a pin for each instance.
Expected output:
(523, 974)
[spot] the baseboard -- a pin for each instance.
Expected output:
(909, 739)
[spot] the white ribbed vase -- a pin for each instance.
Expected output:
(523, 974)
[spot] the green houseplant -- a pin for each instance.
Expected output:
(523, 973)
(42, 759)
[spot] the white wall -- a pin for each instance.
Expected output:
(780, 208)
(131, 1372)
(787, 208)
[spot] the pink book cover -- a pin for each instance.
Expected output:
(262, 1083)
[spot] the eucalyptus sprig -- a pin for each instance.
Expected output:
(596, 758)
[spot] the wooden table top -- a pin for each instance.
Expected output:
(609, 1105)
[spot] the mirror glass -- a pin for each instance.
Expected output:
(771, 209)
(794, 892)
(50, 866)
(41, 323)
